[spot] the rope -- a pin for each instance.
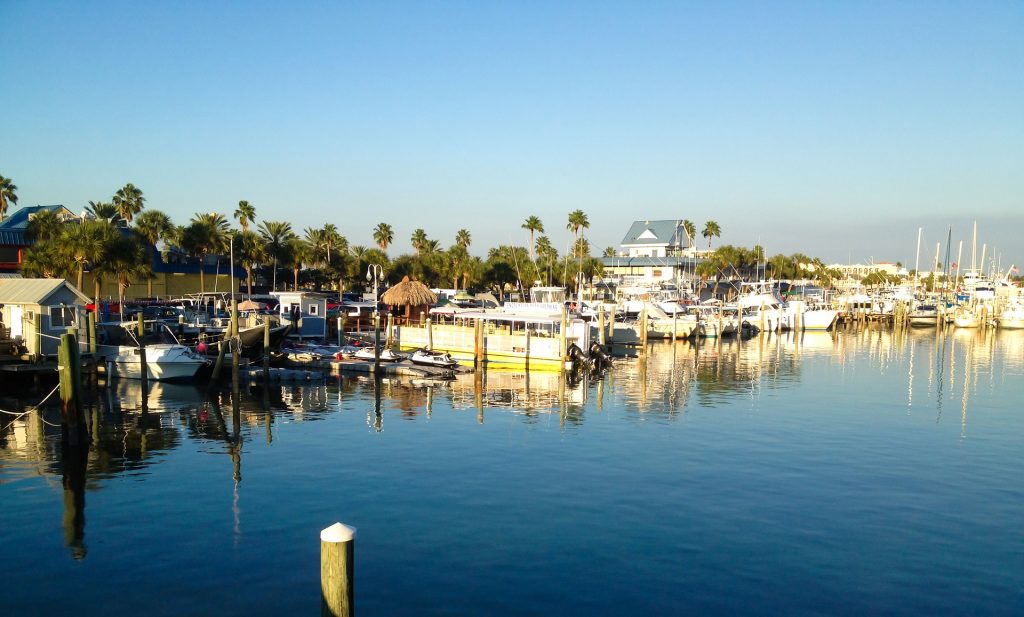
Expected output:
(18, 416)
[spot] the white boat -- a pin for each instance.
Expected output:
(427, 357)
(811, 316)
(924, 315)
(966, 319)
(760, 305)
(1012, 317)
(164, 362)
(386, 355)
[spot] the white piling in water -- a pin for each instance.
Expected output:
(337, 571)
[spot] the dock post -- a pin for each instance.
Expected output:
(674, 325)
(611, 326)
(562, 347)
(266, 351)
(74, 430)
(237, 351)
(143, 368)
(527, 358)
(643, 329)
(478, 343)
(337, 571)
(376, 344)
(430, 334)
(602, 335)
(37, 323)
(389, 340)
(92, 345)
(341, 332)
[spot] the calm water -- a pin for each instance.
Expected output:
(860, 474)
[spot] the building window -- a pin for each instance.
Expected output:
(62, 316)
(313, 309)
(656, 273)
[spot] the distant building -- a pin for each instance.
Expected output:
(653, 252)
(859, 271)
(13, 240)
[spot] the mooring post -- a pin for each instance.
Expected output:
(143, 369)
(37, 323)
(430, 334)
(340, 330)
(478, 343)
(562, 334)
(389, 340)
(74, 430)
(235, 353)
(337, 571)
(376, 343)
(92, 344)
(643, 329)
(601, 334)
(266, 350)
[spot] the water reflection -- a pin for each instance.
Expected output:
(134, 428)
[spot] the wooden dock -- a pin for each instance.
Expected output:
(405, 367)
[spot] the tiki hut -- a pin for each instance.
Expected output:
(410, 294)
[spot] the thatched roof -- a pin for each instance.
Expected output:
(409, 293)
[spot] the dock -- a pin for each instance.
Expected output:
(404, 367)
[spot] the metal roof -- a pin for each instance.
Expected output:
(647, 262)
(33, 291)
(14, 237)
(655, 232)
(19, 219)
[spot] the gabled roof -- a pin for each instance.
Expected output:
(33, 291)
(19, 220)
(656, 233)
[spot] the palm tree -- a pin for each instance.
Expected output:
(44, 226)
(577, 220)
(333, 240)
(125, 260)
(463, 239)
(105, 211)
(298, 253)
(275, 235)
(609, 251)
(251, 253)
(533, 224)
(206, 234)
(547, 253)
(8, 194)
(153, 226)
(711, 230)
(418, 240)
(86, 244)
(383, 235)
(691, 232)
(129, 201)
(245, 213)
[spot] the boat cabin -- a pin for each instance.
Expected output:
(55, 305)
(305, 311)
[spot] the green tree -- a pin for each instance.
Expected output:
(88, 244)
(276, 235)
(44, 226)
(125, 260)
(245, 213)
(691, 232)
(383, 235)
(463, 239)
(8, 195)
(711, 230)
(251, 252)
(533, 225)
(206, 234)
(418, 240)
(104, 211)
(298, 253)
(577, 220)
(129, 201)
(154, 226)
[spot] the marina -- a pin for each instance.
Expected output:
(814, 459)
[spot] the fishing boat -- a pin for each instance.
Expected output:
(426, 357)
(164, 362)
(386, 355)
(1012, 317)
(923, 316)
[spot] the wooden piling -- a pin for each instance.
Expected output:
(643, 330)
(143, 368)
(376, 343)
(37, 323)
(236, 352)
(337, 571)
(478, 343)
(430, 334)
(74, 429)
(602, 335)
(266, 350)
(611, 326)
(562, 346)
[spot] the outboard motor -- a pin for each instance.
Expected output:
(598, 356)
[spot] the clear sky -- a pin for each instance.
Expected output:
(831, 128)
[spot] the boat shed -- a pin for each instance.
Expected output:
(54, 304)
(308, 308)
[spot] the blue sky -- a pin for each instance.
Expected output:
(834, 129)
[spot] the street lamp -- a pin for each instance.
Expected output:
(375, 273)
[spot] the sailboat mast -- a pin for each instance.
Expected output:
(917, 260)
(974, 246)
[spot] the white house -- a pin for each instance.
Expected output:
(653, 252)
(311, 309)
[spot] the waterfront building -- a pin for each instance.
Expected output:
(14, 239)
(654, 252)
(55, 305)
